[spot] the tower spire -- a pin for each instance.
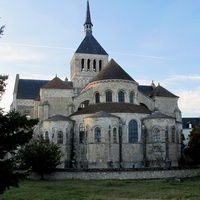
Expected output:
(88, 24)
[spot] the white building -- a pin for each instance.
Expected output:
(103, 118)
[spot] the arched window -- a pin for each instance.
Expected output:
(82, 65)
(97, 135)
(131, 97)
(108, 96)
(94, 65)
(46, 135)
(97, 98)
(100, 65)
(60, 137)
(121, 96)
(114, 135)
(173, 130)
(81, 133)
(133, 131)
(156, 135)
(88, 65)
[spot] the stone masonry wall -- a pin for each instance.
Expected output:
(151, 174)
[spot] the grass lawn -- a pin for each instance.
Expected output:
(188, 188)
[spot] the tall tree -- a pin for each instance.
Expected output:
(41, 155)
(3, 79)
(1, 30)
(192, 151)
(15, 130)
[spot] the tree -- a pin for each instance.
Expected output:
(1, 30)
(15, 130)
(3, 79)
(192, 151)
(41, 155)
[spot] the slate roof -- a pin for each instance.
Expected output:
(158, 115)
(145, 89)
(112, 71)
(190, 120)
(113, 108)
(162, 92)
(56, 83)
(89, 45)
(58, 118)
(29, 89)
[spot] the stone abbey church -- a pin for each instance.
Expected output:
(103, 118)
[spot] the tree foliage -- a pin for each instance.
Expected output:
(192, 151)
(41, 155)
(1, 30)
(3, 79)
(15, 130)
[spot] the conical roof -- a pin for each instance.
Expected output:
(160, 91)
(57, 83)
(112, 71)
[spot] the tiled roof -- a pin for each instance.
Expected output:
(162, 92)
(57, 83)
(113, 108)
(112, 71)
(158, 115)
(89, 45)
(29, 89)
(102, 114)
(58, 118)
(194, 121)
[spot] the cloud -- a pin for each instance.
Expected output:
(185, 77)
(9, 54)
(143, 56)
(182, 86)
(37, 46)
(68, 48)
(189, 102)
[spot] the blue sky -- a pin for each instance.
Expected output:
(150, 39)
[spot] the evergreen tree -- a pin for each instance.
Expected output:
(192, 151)
(41, 155)
(15, 130)
(1, 30)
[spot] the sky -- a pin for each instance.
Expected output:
(155, 40)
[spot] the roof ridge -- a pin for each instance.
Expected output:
(56, 83)
(162, 92)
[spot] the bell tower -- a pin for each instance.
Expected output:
(89, 58)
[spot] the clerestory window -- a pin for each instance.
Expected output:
(121, 96)
(108, 96)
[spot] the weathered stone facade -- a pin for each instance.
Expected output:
(103, 118)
